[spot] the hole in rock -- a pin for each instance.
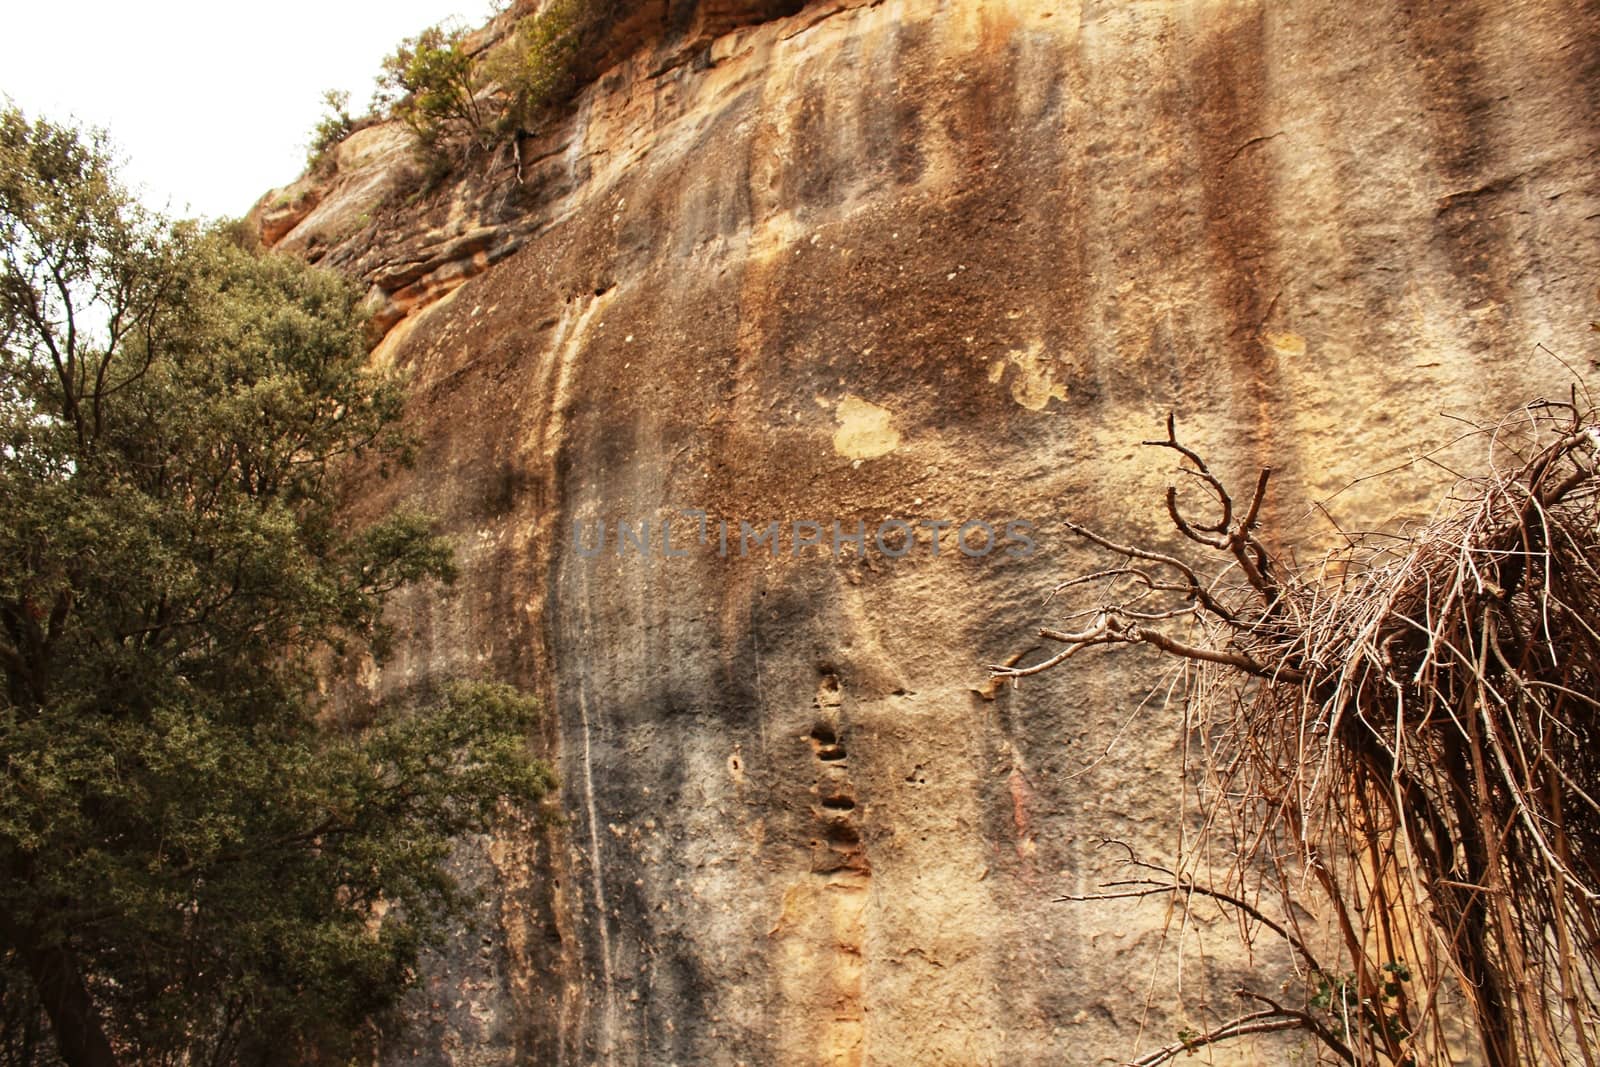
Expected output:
(838, 803)
(823, 734)
(831, 753)
(843, 833)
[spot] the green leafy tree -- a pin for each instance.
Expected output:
(435, 84)
(455, 98)
(202, 862)
(536, 68)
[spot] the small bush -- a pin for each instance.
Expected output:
(535, 69)
(455, 99)
(334, 126)
(432, 82)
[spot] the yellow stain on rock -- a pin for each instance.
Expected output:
(819, 940)
(1284, 343)
(1033, 385)
(382, 357)
(866, 431)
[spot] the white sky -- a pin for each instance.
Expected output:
(210, 104)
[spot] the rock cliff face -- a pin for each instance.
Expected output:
(925, 261)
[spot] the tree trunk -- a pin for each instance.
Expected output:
(80, 1037)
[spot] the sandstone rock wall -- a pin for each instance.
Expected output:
(928, 260)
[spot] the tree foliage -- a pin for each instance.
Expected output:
(435, 84)
(333, 127)
(535, 69)
(198, 866)
(456, 97)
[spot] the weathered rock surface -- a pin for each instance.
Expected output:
(926, 261)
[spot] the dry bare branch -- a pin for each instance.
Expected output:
(1402, 737)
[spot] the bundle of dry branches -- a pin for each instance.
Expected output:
(1403, 737)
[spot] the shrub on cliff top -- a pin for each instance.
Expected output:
(456, 99)
(536, 68)
(333, 127)
(435, 85)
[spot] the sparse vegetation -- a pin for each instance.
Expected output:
(458, 100)
(335, 125)
(435, 85)
(535, 68)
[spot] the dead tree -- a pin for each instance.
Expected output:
(1403, 736)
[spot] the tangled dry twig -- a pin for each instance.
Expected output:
(1412, 727)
